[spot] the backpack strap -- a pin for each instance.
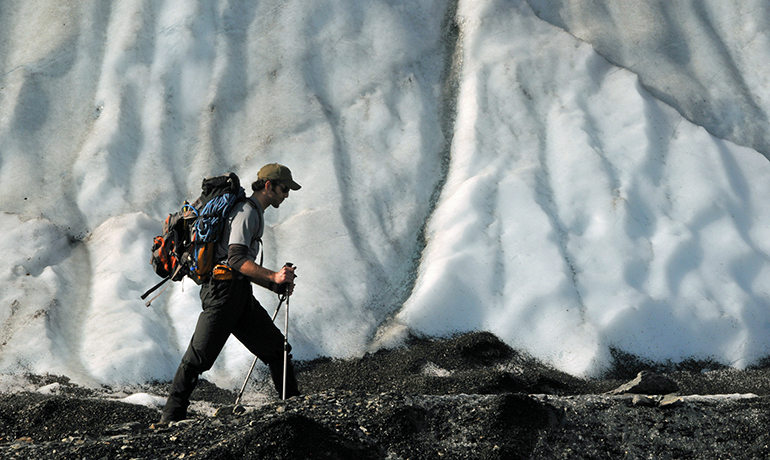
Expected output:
(247, 200)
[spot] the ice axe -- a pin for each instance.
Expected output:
(283, 296)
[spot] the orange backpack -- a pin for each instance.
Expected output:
(188, 242)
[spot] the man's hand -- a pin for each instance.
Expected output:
(268, 278)
(285, 278)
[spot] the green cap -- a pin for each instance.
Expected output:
(281, 173)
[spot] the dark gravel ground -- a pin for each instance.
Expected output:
(466, 397)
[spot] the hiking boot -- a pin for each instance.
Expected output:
(168, 418)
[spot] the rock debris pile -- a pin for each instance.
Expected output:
(466, 397)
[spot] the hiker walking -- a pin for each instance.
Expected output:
(229, 306)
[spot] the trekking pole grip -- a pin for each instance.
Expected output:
(286, 286)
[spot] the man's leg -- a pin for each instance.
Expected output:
(257, 332)
(185, 380)
(276, 373)
(215, 323)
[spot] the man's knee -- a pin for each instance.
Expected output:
(196, 362)
(274, 355)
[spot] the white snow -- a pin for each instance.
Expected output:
(144, 399)
(569, 175)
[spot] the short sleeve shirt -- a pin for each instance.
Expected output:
(245, 226)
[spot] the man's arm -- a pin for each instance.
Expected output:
(259, 275)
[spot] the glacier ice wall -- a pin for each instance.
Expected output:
(529, 170)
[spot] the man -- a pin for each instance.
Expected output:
(229, 307)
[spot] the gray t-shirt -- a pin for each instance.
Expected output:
(245, 225)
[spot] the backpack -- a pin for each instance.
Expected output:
(188, 242)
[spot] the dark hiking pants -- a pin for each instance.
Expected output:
(229, 307)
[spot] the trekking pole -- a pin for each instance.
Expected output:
(281, 298)
(254, 363)
(285, 344)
